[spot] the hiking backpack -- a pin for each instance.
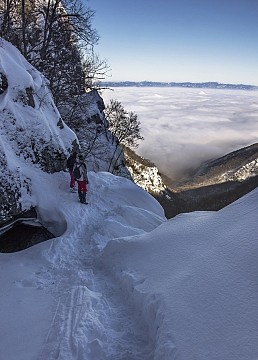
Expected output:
(76, 172)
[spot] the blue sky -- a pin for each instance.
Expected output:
(179, 40)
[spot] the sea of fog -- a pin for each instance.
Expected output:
(183, 128)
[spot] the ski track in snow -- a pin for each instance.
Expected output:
(92, 319)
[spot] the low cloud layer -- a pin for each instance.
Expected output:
(183, 128)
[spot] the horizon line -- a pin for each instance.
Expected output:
(178, 83)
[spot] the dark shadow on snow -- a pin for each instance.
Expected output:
(21, 236)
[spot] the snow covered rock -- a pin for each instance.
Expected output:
(144, 173)
(31, 130)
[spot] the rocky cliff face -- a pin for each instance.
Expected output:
(144, 173)
(32, 132)
(85, 116)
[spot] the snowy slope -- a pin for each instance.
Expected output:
(31, 130)
(195, 280)
(30, 120)
(122, 282)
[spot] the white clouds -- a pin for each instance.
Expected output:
(184, 127)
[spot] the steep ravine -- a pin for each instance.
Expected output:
(212, 186)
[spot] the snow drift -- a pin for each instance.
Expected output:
(195, 280)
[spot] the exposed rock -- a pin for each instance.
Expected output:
(144, 173)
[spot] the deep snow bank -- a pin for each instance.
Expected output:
(31, 130)
(195, 280)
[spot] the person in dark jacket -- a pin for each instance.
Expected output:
(70, 165)
(81, 178)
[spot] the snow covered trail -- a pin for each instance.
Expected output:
(91, 318)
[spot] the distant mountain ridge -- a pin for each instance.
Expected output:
(202, 85)
(214, 184)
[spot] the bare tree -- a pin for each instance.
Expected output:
(95, 70)
(6, 11)
(126, 129)
(124, 125)
(58, 38)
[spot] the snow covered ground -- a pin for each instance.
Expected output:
(121, 282)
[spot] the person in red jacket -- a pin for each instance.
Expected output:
(80, 175)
